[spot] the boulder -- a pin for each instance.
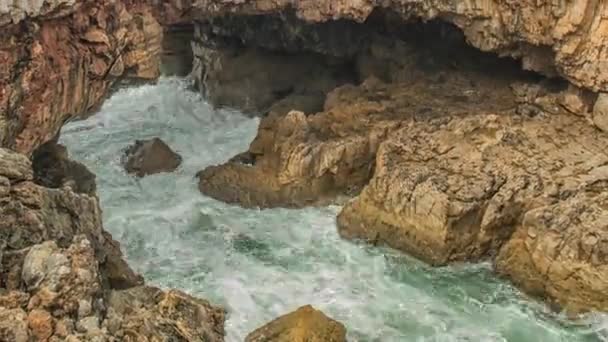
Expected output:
(147, 157)
(306, 324)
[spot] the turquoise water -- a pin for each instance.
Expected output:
(261, 264)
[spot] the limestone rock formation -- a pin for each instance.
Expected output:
(63, 278)
(565, 38)
(300, 159)
(147, 157)
(304, 324)
(62, 64)
(459, 190)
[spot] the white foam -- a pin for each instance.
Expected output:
(263, 263)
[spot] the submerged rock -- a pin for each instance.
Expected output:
(147, 157)
(306, 324)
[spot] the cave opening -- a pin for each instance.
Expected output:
(253, 62)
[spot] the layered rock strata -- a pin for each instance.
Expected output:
(60, 62)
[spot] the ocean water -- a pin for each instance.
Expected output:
(260, 264)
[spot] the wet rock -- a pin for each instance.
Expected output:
(559, 251)
(487, 185)
(54, 169)
(147, 157)
(600, 112)
(304, 324)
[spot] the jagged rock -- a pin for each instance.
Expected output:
(61, 62)
(299, 159)
(458, 190)
(147, 157)
(147, 313)
(252, 80)
(63, 282)
(304, 324)
(54, 169)
(32, 213)
(565, 38)
(560, 251)
(600, 112)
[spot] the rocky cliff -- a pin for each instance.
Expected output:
(58, 60)
(447, 154)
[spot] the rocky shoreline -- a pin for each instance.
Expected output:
(433, 147)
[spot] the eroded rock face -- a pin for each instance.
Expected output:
(253, 79)
(459, 190)
(63, 277)
(304, 324)
(33, 213)
(565, 38)
(147, 157)
(310, 158)
(62, 65)
(54, 169)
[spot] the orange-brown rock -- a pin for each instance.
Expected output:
(303, 159)
(559, 251)
(62, 65)
(41, 324)
(458, 190)
(306, 324)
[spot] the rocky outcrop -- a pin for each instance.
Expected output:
(304, 324)
(461, 189)
(63, 278)
(564, 38)
(312, 158)
(61, 64)
(147, 157)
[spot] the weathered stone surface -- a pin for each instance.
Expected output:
(252, 79)
(559, 251)
(54, 169)
(565, 37)
(62, 65)
(304, 324)
(303, 159)
(32, 213)
(147, 157)
(148, 313)
(600, 112)
(458, 190)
